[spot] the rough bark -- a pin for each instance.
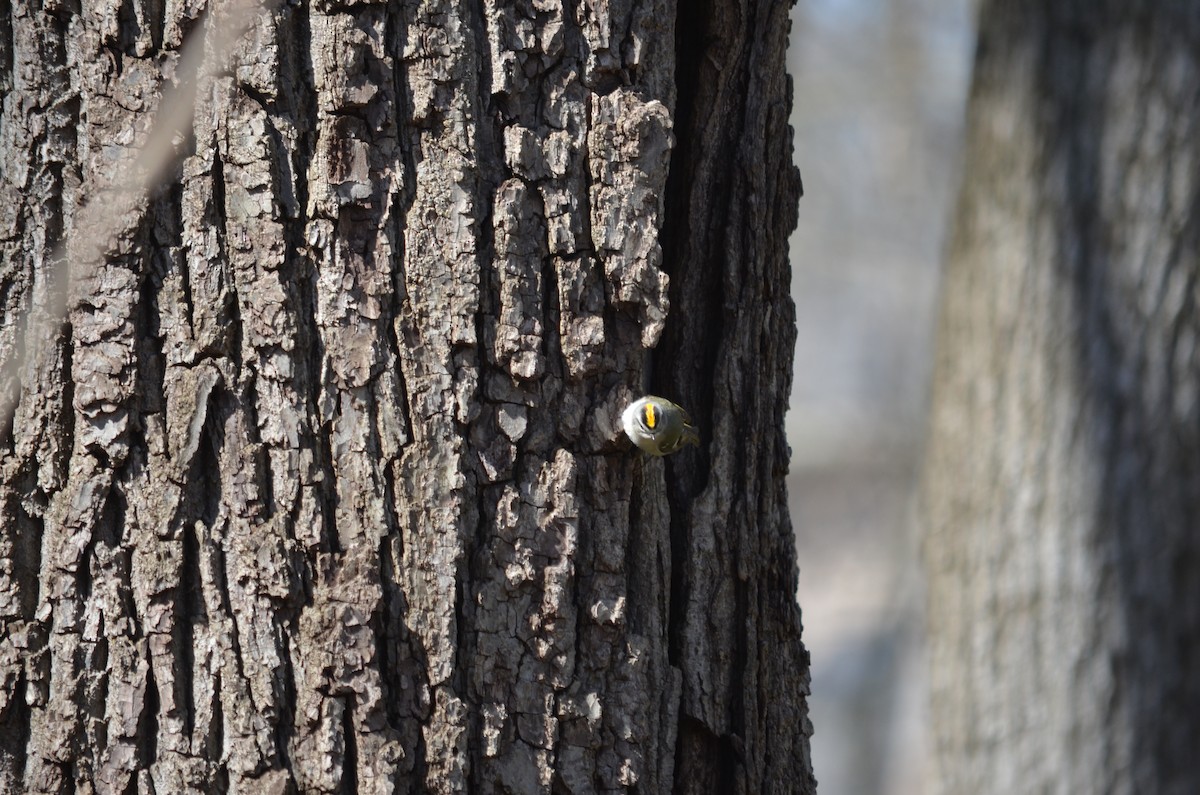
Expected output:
(320, 486)
(1063, 485)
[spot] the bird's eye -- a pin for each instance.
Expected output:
(651, 415)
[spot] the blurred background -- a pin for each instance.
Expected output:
(880, 90)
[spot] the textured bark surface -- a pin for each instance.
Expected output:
(1063, 486)
(320, 487)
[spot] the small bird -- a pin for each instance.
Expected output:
(658, 426)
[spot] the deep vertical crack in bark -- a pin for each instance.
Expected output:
(731, 200)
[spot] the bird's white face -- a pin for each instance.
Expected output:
(658, 426)
(629, 418)
(640, 419)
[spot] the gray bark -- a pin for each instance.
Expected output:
(1063, 484)
(320, 486)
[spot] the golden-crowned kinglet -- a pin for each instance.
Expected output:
(658, 426)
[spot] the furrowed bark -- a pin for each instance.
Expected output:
(321, 486)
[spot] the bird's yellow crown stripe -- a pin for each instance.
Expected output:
(651, 419)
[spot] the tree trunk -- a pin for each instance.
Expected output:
(1063, 484)
(320, 487)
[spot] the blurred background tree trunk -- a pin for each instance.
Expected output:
(320, 486)
(1062, 492)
